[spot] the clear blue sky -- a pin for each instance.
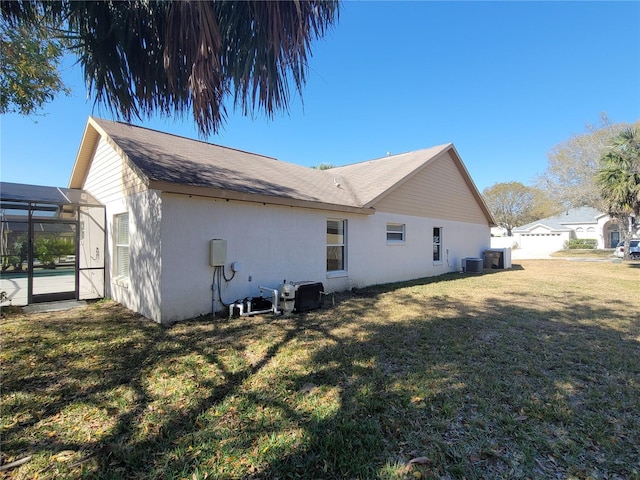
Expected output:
(504, 81)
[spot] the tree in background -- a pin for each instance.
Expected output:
(619, 180)
(513, 204)
(30, 61)
(573, 164)
(324, 166)
(144, 57)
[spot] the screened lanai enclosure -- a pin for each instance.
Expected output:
(52, 244)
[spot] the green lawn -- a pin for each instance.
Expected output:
(585, 253)
(532, 372)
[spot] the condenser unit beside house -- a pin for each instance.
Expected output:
(472, 265)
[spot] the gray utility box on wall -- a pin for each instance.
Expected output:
(217, 252)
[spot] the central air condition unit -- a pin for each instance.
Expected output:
(472, 265)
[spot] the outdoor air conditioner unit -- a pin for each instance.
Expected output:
(472, 265)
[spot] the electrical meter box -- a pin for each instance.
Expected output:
(217, 252)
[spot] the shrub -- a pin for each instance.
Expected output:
(580, 243)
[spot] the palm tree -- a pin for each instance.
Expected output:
(141, 56)
(619, 180)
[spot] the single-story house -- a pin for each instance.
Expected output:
(550, 234)
(173, 204)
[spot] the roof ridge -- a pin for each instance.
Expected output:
(140, 127)
(441, 146)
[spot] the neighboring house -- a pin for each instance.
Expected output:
(550, 234)
(396, 218)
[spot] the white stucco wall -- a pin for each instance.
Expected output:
(374, 261)
(274, 243)
(145, 248)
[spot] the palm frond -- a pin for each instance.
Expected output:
(142, 56)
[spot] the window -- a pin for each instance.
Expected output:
(437, 244)
(121, 233)
(336, 245)
(395, 232)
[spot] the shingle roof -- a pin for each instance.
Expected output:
(173, 163)
(368, 180)
(164, 157)
(582, 215)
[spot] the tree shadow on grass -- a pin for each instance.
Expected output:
(479, 390)
(539, 397)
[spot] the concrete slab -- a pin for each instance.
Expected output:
(54, 306)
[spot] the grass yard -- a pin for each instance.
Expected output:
(585, 253)
(528, 373)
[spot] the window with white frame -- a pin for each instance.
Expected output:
(437, 244)
(395, 233)
(121, 234)
(336, 245)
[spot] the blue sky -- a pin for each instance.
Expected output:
(504, 81)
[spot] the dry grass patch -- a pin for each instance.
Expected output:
(527, 373)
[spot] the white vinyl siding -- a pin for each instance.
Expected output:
(423, 195)
(110, 177)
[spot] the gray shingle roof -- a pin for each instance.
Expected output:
(582, 215)
(173, 160)
(368, 180)
(164, 157)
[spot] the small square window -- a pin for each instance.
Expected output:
(395, 232)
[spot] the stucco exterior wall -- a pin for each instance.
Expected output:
(170, 275)
(373, 260)
(274, 243)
